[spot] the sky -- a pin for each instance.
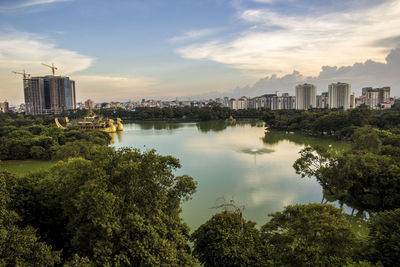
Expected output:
(165, 49)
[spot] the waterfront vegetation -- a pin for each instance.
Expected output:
(121, 207)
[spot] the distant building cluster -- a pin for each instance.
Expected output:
(56, 94)
(338, 96)
(131, 105)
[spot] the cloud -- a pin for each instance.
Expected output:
(193, 35)
(359, 75)
(21, 50)
(111, 88)
(30, 4)
(278, 43)
(24, 51)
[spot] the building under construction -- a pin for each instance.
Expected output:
(49, 95)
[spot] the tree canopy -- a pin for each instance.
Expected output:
(308, 235)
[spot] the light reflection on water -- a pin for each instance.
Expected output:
(236, 161)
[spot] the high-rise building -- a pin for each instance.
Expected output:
(365, 90)
(257, 102)
(352, 101)
(384, 94)
(89, 104)
(339, 95)
(377, 96)
(49, 95)
(322, 101)
(306, 96)
(372, 98)
(281, 102)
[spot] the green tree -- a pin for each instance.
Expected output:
(20, 246)
(308, 235)
(384, 238)
(118, 208)
(365, 181)
(361, 179)
(227, 240)
(366, 138)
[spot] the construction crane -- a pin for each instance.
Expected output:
(53, 70)
(52, 67)
(24, 74)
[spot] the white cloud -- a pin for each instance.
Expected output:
(194, 34)
(111, 88)
(278, 43)
(30, 3)
(21, 50)
(24, 51)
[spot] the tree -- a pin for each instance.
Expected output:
(308, 235)
(20, 246)
(365, 181)
(118, 208)
(366, 138)
(361, 179)
(384, 238)
(227, 240)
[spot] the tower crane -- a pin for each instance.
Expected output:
(53, 69)
(24, 74)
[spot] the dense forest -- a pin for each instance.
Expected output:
(188, 113)
(99, 206)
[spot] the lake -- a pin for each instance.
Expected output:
(232, 161)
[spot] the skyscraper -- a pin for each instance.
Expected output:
(306, 96)
(339, 95)
(49, 95)
(384, 94)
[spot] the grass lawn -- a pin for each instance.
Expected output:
(20, 167)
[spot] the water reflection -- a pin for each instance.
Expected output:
(236, 160)
(113, 137)
(275, 137)
(215, 126)
(257, 151)
(160, 125)
(120, 136)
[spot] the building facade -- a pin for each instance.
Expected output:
(238, 103)
(352, 101)
(257, 102)
(281, 102)
(384, 95)
(306, 96)
(322, 101)
(339, 95)
(4, 108)
(89, 104)
(49, 95)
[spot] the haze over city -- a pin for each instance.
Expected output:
(128, 50)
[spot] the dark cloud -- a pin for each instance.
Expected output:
(387, 42)
(359, 75)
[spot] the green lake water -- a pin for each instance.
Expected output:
(236, 161)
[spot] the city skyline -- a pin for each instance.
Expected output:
(130, 50)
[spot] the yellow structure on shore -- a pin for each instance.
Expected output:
(93, 122)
